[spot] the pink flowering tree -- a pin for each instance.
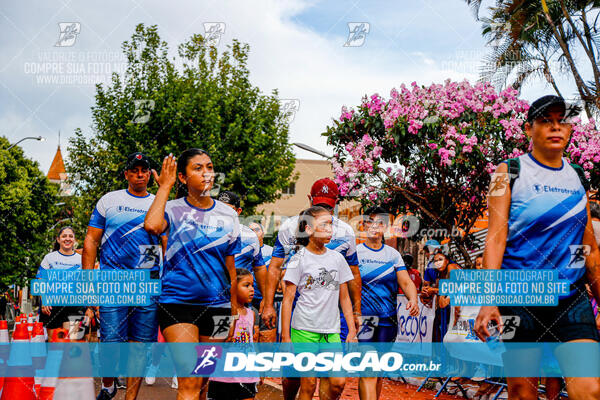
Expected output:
(429, 151)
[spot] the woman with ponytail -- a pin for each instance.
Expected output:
(203, 238)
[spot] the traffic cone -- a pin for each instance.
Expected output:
(22, 386)
(48, 381)
(73, 388)
(4, 349)
(38, 352)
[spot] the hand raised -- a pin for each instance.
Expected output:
(168, 172)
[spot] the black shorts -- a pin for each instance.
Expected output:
(231, 391)
(211, 321)
(60, 315)
(573, 318)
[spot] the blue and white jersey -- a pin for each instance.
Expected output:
(267, 252)
(125, 242)
(59, 261)
(250, 256)
(199, 241)
(379, 281)
(343, 240)
(547, 219)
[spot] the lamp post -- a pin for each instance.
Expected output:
(311, 149)
(40, 138)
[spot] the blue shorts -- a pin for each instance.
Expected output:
(125, 324)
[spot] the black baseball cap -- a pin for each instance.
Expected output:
(541, 105)
(135, 159)
(230, 198)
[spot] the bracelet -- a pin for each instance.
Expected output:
(357, 313)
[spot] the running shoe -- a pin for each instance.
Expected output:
(121, 383)
(174, 383)
(106, 395)
(151, 374)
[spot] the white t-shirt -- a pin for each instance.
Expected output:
(318, 278)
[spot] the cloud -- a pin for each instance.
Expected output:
(296, 48)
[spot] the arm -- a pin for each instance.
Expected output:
(410, 290)
(346, 306)
(260, 273)
(155, 222)
(90, 247)
(355, 289)
(286, 310)
(230, 265)
(273, 275)
(592, 262)
(163, 244)
(88, 257)
(495, 241)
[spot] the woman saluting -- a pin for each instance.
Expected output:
(199, 262)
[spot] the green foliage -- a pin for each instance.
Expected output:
(27, 211)
(201, 99)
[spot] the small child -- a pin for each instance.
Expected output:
(245, 330)
(319, 275)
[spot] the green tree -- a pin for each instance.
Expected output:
(27, 211)
(529, 37)
(202, 98)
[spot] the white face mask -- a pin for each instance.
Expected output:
(596, 225)
(439, 264)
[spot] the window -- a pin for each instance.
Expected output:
(291, 189)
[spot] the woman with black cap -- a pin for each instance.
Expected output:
(539, 218)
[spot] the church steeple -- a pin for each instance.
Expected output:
(57, 172)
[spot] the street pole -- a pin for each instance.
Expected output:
(40, 138)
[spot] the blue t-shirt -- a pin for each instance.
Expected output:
(250, 256)
(59, 261)
(199, 241)
(431, 275)
(547, 220)
(379, 281)
(125, 242)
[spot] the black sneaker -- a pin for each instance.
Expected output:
(121, 383)
(106, 395)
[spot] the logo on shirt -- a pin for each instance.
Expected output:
(325, 279)
(578, 255)
(207, 359)
(538, 188)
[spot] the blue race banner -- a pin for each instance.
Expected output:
(298, 359)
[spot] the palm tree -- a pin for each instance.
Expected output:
(529, 37)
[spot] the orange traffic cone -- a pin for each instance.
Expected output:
(4, 349)
(38, 352)
(74, 388)
(20, 387)
(48, 383)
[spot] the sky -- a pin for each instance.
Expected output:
(301, 48)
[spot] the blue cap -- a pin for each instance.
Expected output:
(433, 243)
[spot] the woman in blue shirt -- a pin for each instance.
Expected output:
(197, 298)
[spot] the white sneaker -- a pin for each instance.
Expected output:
(480, 374)
(151, 374)
(174, 383)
